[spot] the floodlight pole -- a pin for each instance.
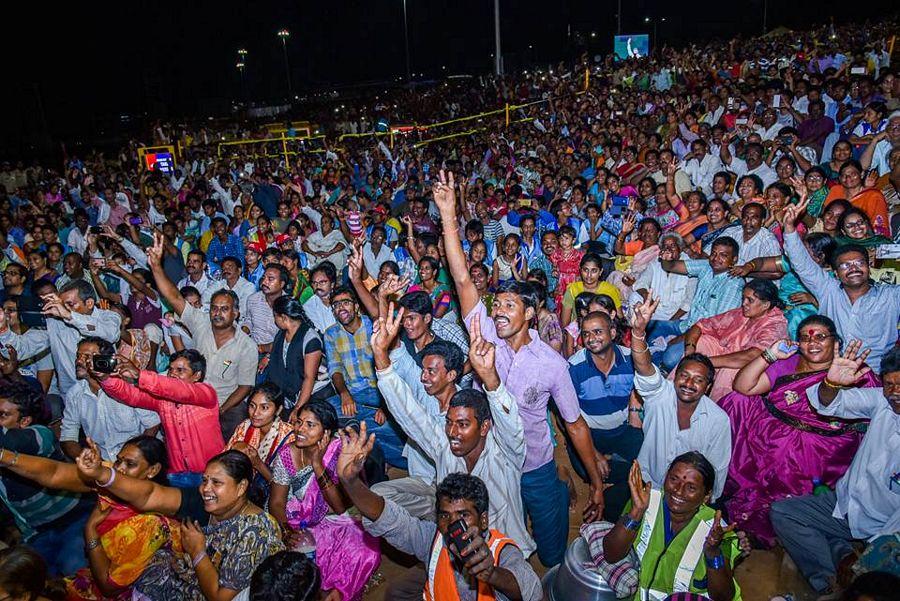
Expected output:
(619, 19)
(406, 39)
(498, 65)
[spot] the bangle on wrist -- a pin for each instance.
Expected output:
(630, 524)
(716, 563)
(634, 335)
(768, 357)
(196, 560)
(832, 385)
(92, 544)
(108, 483)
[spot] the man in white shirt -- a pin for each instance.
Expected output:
(752, 165)
(375, 251)
(87, 407)
(77, 240)
(817, 530)
(231, 280)
(753, 239)
(195, 266)
(678, 416)
(701, 166)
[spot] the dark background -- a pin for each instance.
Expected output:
(92, 70)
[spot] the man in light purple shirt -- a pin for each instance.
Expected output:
(532, 372)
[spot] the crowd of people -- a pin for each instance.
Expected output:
(246, 378)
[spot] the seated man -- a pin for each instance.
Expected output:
(752, 238)
(603, 377)
(678, 416)
(88, 408)
(480, 434)
(50, 521)
(489, 565)
(817, 530)
(188, 409)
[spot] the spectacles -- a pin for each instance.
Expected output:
(846, 265)
(820, 337)
(852, 225)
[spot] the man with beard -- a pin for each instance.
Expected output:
(87, 407)
(753, 239)
(860, 308)
(533, 372)
(352, 370)
(317, 299)
(817, 530)
(195, 266)
(603, 377)
(260, 320)
(678, 416)
(231, 355)
(752, 164)
(234, 281)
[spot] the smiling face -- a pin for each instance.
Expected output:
(463, 431)
(344, 308)
(684, 489)
(852, 269)
(308, 430)
(691, 381)
(891, 384)
(221, 493)
(832, 215)
(426, 272)
(669, 250)
(435, 378)
(816, 344)
(850, 177)
(510, 314)
(597, 334)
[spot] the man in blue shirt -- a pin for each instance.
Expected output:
(603, 377)
(223, 245)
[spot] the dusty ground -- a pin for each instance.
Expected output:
(761, 576)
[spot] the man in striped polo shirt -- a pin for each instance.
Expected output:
(603, 377)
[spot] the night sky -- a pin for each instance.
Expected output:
(87, 63)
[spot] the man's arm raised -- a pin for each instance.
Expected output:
(445, 199)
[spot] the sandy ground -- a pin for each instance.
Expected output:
(760, 576)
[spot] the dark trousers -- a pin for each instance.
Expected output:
(546, 501)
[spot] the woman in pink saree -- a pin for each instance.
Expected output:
(306, 496)
(734, 338)
(779, 443)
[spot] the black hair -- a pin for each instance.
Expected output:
(524, 290)
(875, 585)
(475, 400)
(475, 226)
(339, 290)
(324, 412)
(195, 358)
(757, 182)
(762, 207)
(392, 267)
(844, 249)
(765, 291)
(567, 230)
(154, 452)
(700, 463)
(820, 243)
(85, 290)
(451, 354)
(592, 258)
(26, 398)
(216, 220)
(283, 274)
(104, 346)
(236, 464)
(186, 291)
(23, 573)
(729, 242)
(229, 259)
(271, 391)
(583, 301)
(236, 302)
(820, 320)
(432, 262)
(850, 163)
(325, 268)
(290, 307)
(198, 253)
(463, 487)
(418, 302)
(286, 576)
(890, 363)
(702, 360)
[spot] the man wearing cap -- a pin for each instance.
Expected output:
(253, 265)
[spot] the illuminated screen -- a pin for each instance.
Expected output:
(631, 46)
(161, 161)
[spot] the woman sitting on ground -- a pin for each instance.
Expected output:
(780, 444)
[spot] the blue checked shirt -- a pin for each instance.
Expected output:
(716, 293)
(218, 250)
(351, 355)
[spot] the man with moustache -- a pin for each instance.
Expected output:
(817, 530)
(678, 416)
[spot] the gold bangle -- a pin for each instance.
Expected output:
(832, 385)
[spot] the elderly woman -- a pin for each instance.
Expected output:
(675, 291)
(736, 337)
(781, 446)
(676, 537)
(223, 536)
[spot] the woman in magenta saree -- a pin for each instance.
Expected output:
(779, 443)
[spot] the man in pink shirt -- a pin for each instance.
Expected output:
(188, 409)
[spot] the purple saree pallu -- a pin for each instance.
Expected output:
(780, 444)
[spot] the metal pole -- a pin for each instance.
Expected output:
(619, 19)
(498, 67)
(287, 66)
(406, 39)
(765, 16)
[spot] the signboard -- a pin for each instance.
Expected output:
(159, 161)
(631, 46)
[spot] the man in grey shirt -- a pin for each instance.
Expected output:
(860, 308)
(487, 556)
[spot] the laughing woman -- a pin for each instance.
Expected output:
(224, 536)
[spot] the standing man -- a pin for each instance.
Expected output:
(231, 356)
(532, 372)
(224, 244)
(259, 322)
(195, 266)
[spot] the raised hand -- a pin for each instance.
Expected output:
(386, 329)
(716, 535)
(799, 186)
(783, 349)
(871, 178)
(643, 312)
(848, 367)
(355, 264)
(318, 451)
(354, 450)
(9, 364)
(392, 285)
(155, 252)
(54, 307)
(792, 213)
(89, 462)
(444, 192)
(482, 355)
(628, 224)
(741, 271)
(640, 492)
